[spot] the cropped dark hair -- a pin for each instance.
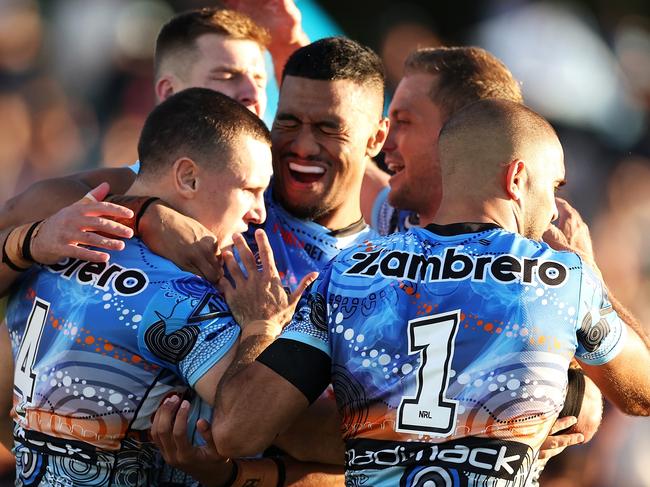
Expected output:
(198, 123)
(179, 34)
(463, 75)
(337, 58)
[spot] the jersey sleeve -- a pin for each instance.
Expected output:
(600, 331)
(382, 213)
(187, 328)
(302, 353)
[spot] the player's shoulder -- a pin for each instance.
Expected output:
(156, 274)
(375, 244)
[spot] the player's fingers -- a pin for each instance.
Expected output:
(245, 255)
(208, 271)
(98, 193)
(113, 228)
(266, 254)
(302, 285)
(211, 267)
(555, 238)
(562, 441)
(100, 224)
(232, 266)
(204, 429)
(164, 426)
(225, 287)
(207, 260)
(563, 423)
(110, 229)
(544, 455)
(104, 208)
(95, 240)
(179, 431)
(81, 253)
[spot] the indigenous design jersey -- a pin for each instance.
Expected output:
(387, 220)
(302, 246)
(98, 346)
(448, 348)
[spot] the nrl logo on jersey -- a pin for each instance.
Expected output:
(455, 266)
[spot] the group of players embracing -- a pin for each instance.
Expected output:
(226, 316)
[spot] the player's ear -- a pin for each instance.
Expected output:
(186, 177)
(515, 179)
(376, 141)
(164, 87)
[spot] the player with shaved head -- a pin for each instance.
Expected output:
(446, 366)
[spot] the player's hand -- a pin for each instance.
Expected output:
(555, 444)
(183, 240)
(169, 433)
(574, 228)
(280, 17)
(570, 232)
(68, 231)
(259, 295)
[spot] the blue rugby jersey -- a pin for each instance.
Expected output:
(448, 348)
(98, 346)
(303, 246)
(386, 219)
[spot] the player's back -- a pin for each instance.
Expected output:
(450, 348)
(98, 346)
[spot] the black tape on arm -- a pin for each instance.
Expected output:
(574, 394)
(306, 367)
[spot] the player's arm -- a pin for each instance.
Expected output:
(316, 434)
(244, 421)
(624, 380)
(44, 198)
(579, 419)
(613, 349)
(203, 463)
(283, 21)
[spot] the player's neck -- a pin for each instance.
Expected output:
(460, 211)
(340, 218)
(158, 189)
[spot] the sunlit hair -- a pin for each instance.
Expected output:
(337, 58)
(197, 123)
(178, 36)
(463, 75)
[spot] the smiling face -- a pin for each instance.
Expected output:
(234, 67)
(412, 145)
(322, 135)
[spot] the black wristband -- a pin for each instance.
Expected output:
(27, 242)
(143, 208)
(7, 260)
(282, 470)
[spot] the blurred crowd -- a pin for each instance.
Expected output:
(75, 88)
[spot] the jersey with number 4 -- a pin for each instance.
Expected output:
(97, 347)
(448, 348)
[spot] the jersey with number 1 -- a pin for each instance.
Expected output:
(448, 348)
(97, 347)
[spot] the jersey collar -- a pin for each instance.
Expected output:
(461, 228)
